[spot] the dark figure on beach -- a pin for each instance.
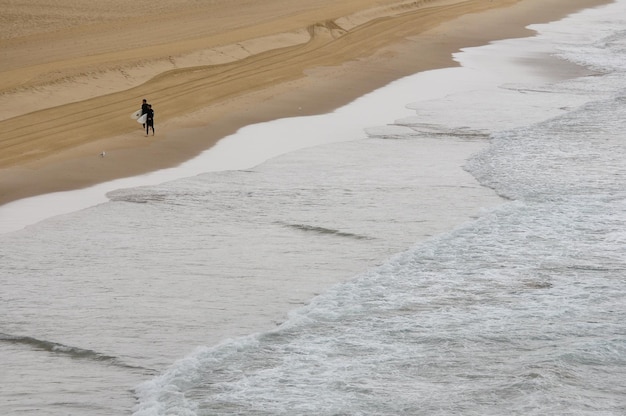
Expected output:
(144, 109)
(150, 120)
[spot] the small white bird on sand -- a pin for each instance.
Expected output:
(103, 154)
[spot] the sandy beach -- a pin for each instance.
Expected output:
(321, 224)
(71, 73)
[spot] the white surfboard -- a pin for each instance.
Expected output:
(142, 119)
(135, 115)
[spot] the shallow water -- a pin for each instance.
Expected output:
(415, 287)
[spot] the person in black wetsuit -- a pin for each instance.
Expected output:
(150, 120)
(144, 109)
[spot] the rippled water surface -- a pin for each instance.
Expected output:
(370, 276)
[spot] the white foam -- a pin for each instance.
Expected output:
(483, 69)
(261, 142)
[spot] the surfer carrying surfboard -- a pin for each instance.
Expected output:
(149, 119)
(144, 109)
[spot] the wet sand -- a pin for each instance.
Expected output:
(72, 74)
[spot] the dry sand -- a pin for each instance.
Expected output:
(72, 71)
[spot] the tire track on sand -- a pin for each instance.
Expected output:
(33, 136)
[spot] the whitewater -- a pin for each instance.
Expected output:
(453, 243)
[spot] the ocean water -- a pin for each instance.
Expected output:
(456, 248)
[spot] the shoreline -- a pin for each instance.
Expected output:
(314, 85)
(208, 260)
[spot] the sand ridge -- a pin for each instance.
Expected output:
(75, 61)
(68, 86)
